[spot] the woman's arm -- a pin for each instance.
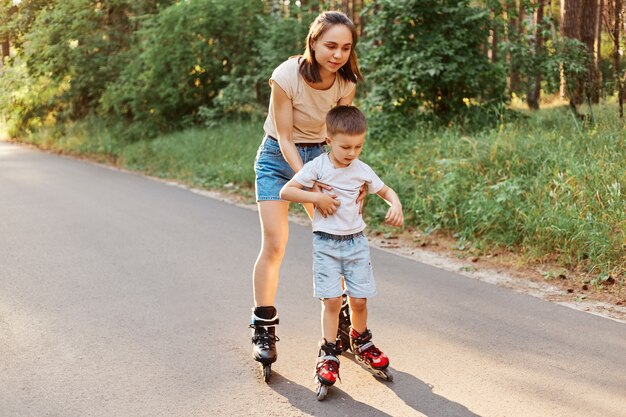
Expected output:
(347, 100)
(282, 113)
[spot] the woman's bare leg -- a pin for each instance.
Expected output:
(275, 232)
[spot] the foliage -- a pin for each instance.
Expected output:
(27, 103)
(425, 57)
(280, 36)
(72, 48)
(75, 45)
(559, 54)
(179, 60)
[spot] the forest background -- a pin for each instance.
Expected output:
(499, 122)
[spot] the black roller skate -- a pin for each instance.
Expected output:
(327, 368)
(368, 355)
(344, 323)
(264, 339)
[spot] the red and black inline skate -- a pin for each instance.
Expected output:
(327, 368)
(361, 345)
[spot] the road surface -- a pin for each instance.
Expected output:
(125, 296)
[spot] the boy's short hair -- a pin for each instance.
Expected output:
(346, 120)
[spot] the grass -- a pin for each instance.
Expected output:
(217, 158)
(546, 186)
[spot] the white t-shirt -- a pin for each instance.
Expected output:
(346, 183)
(309, 105)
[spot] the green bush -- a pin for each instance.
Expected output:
(425, 58)
(180, 59)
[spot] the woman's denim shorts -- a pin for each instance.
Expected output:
(272, 170)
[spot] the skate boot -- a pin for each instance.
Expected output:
(264, 338)
(368, 355)
(327, 368)
(344, 323)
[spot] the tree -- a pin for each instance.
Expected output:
(617, 23)
(7, 10)
(426, 57)
(515, 32)
(570, 12)
(598, 51)
(588, 31)
(534, 90)
(182, 59)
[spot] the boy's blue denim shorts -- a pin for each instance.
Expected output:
(272, 170)
(350, 258)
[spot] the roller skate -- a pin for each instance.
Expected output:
(327, 368)
(344, 323)
(264, 339)
(368, 355)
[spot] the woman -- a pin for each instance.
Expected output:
(304, 88)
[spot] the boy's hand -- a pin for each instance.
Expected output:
(320, 187)
(394, 216)
(326, 204)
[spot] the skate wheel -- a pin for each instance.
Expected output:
(322, 391)
(267, 373)
(387, 375)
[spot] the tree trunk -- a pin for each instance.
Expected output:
(598, 50)
(4, 47)
(588, 30)
(617, 23)
(514, 14)
(534, 92)
(357, 8)
(494, 39)
(570, 12)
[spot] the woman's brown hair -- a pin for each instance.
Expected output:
(309, 68)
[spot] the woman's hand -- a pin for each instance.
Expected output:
(360, 200)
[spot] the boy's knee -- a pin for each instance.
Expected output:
(358, 304)
(332, 304)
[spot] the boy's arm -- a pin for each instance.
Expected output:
(394, 215)
(293, 191)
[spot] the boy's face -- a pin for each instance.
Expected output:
(345, 148)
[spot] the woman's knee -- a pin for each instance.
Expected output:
(274, 247)
(275, 225)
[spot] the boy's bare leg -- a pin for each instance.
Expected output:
(358, 313)
(330, 318)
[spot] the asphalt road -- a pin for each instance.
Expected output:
(125, 296)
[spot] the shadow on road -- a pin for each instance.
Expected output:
(337, 403)
(419, 396)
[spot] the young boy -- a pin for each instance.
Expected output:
(339, 245)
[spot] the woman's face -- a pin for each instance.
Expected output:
(332, 49)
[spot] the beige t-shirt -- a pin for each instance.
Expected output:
(309, 105)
